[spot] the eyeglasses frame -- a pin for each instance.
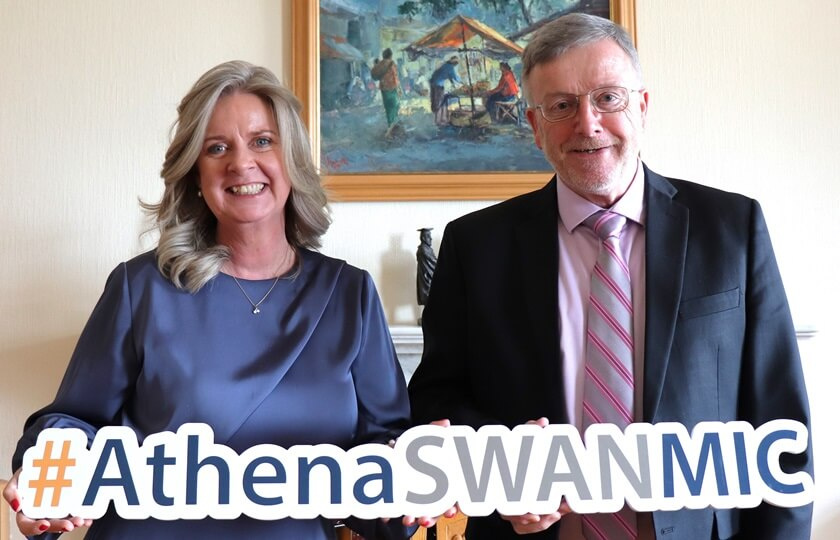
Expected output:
(589, 96)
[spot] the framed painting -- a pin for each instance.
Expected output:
(397, 95)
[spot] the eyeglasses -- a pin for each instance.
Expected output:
(609, 99)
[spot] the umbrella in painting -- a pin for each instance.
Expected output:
(462, 34)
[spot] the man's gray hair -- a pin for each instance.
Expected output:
(569, 31)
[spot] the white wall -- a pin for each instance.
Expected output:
(741, 98)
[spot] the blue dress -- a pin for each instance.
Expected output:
(316, 365)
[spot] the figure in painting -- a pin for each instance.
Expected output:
(385, 71)
(506, 91)
(445, 72)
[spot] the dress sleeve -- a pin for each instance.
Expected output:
(382, 399)
(101, 372)
(380, 386)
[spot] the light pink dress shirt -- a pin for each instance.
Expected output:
(578, 251)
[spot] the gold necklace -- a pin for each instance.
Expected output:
(255, 307)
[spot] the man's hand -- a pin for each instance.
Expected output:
(528, 523)
(531, 523)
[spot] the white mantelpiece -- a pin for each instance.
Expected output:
(408, 341)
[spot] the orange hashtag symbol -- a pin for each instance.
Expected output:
(58, 482)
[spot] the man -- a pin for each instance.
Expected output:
(446, 72)
(506, 91)
(385, 71)
(701, 329)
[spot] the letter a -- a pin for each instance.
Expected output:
(124, 480)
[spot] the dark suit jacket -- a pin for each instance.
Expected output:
(719, 341)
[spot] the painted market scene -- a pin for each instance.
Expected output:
(429, 86)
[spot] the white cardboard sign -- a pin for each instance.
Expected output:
(529, 469)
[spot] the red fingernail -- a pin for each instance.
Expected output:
(43, 528)
(15, 505)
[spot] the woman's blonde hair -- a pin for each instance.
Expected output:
(187, 251)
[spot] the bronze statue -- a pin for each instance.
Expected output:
(426, 262)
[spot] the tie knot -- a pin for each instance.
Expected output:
(605, 224)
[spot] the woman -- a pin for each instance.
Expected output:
(385, 71)
(506, 91)
(233, 320)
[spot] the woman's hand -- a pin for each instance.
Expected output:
(429, 521)
(34, 527)
(525, 524)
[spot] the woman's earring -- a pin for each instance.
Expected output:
(199, 194)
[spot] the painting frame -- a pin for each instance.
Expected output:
(410, 186)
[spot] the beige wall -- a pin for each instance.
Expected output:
(742, 97)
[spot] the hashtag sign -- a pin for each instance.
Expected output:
(56, 482)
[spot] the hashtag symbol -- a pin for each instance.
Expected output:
(57, 482)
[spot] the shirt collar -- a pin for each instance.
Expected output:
(574, 209)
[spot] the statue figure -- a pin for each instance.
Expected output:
(426, 262)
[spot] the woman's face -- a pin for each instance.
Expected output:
(240, 166)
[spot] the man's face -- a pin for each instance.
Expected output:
(595, 154)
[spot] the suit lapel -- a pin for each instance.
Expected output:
(666, 238)
(536, 237)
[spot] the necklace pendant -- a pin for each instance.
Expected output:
(256, 307)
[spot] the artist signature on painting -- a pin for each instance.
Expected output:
(335, 164)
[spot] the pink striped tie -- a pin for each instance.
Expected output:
(608, 378)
